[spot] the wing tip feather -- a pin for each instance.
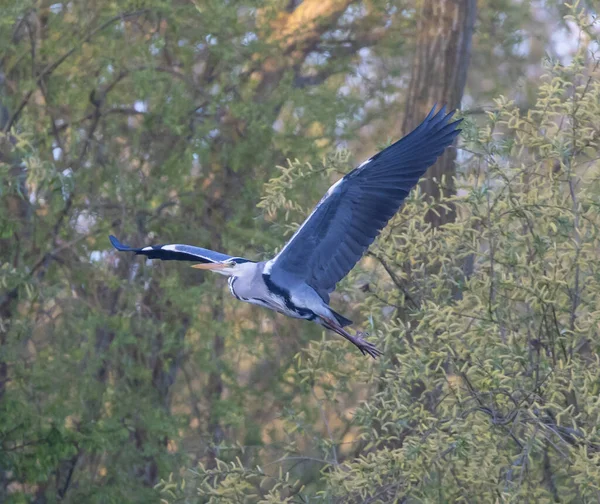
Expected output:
(118, 245)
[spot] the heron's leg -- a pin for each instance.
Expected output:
(364, 346)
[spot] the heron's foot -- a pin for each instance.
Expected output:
(364, 346)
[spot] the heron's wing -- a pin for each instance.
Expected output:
(174, 252)
(355, 209)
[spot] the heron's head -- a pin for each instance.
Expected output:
(234, 266)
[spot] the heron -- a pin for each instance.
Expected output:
(297, 282)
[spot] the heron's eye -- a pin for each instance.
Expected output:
(231, 264)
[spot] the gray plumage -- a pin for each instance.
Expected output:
(298, 280)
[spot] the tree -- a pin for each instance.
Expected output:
(438, 75)
(161, 122)
(158, 122)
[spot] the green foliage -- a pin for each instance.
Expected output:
(161, 121)
(489, 389)
(151, 120)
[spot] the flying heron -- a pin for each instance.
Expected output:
(298, 280)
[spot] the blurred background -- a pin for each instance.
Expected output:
(168, 121)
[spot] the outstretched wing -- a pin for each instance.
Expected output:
(355, 209)
(175, 252)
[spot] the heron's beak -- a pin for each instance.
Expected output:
(210, 266)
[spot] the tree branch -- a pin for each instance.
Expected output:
(53, 66)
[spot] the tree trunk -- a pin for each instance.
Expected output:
(439, 73)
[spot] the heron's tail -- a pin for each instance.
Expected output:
(343, 321)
